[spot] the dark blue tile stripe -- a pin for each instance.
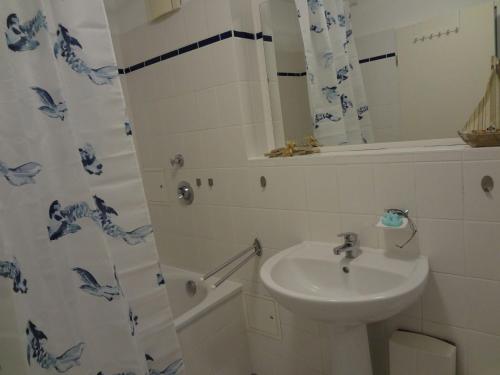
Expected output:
(379, 57)
(208, 41)
(244, 35)
(188, 48)
(227, 34)
(288, 74)
(219, 37)
(152, 61)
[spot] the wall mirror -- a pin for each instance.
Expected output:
(375, 71)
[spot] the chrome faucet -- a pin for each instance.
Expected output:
(350, 246)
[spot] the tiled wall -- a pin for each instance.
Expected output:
(206, 105)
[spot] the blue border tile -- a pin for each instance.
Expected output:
(226, 35)
(259, 35)
(208, 41)
(152, 61)
(169, 55)
(188, 48)
(267, 38)
(135, 67)
(244, 35)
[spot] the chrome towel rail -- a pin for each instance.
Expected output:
(255, 249)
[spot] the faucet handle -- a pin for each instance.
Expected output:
(349, 237)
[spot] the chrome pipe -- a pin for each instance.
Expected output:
(234, 269)
(256, 247)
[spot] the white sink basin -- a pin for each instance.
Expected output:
(310, 280)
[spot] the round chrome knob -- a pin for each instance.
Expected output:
(185, 192)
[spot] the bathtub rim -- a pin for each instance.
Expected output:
(214, 298)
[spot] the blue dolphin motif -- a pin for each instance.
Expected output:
(11, 270)
(160, 280)
(133, 321)
(36, 350)
(49, 107)
(346, 103)
(330, 93)
(119, 373)
(128, 128)
(314, 5)
(62, 221)
(327, 58)
(330, 19)
(343, 74)
(22, 175)
(342, 20)
(172, 369)
(325, 116)
(89, 160)
(21, 37)
(92, 286)
(66, 45)
(317, 29)
(361, 112)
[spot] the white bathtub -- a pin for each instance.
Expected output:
(188, 308)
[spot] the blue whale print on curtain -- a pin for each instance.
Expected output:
(63, 221)
(22, 175)
(118, 373)
(21, 37)
(36, 350)
(335, 84)
(49, 107)
(128, 127)
(172, 369)
(133, 321)
(89, 160)
(92, 286)
(12, 271)
(65, 47)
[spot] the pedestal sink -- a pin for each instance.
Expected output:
(308, 279)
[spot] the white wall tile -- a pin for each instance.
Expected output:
(482, 305)
(195, 21)
(322, 190)
(356, 187)
(482, 250)
(285, 187)
(222, 64)
(395, 187)
(207, 109)
(443, 299)
(479, 205)
(483, 353)
(324, 226)
(218, 14)
(443, 242)
(229, 104)
(439, 190)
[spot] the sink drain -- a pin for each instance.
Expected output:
(191, 288)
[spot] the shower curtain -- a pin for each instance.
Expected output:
(81, 291)
(336, 91)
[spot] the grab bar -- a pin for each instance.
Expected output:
(257, 251)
